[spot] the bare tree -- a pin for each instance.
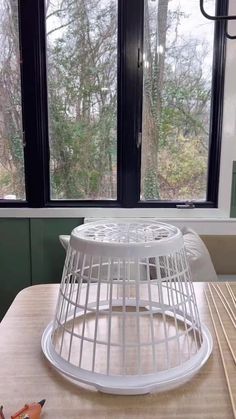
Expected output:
(154, 65)
(11, 149)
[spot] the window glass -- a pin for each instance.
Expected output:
(177, 64)
(12, 180)
(82, 98)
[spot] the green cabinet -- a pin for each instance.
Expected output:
(30, 253)
(233, 193)
(15, 264)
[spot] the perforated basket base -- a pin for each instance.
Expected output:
(130, 384)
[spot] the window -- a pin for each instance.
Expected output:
(178, 60)
(12, 182)
(121, 103)
(82, 99)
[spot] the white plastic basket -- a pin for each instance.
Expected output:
(126, 319)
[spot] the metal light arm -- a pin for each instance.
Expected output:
(217, 18)
(231, 17)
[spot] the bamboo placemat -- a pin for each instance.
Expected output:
(222, 307)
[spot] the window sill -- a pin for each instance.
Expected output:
(204, 221)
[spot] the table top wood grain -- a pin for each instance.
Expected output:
(26, 376)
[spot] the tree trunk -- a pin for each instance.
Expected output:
(154, 63)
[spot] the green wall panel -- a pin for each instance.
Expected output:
(233, 193)
(47, 253)
(15, 269)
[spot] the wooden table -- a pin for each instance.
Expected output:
(26, 376)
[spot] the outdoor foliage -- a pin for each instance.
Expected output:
(82, 101)
(11, 148)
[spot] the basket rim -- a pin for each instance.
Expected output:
(163, 246)
(130, 384)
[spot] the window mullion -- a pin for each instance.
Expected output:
(34, 100)
(129, 100)
(216, 123)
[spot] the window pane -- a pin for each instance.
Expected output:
(177, 61)
(12, 181)
(82, 98)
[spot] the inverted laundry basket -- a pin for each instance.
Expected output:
(126, 319)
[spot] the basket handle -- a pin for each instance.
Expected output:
(64, 240)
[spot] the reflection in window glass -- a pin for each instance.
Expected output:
(82, 98)
(177, 61)
(12, 182)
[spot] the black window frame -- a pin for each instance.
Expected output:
(32, 35)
